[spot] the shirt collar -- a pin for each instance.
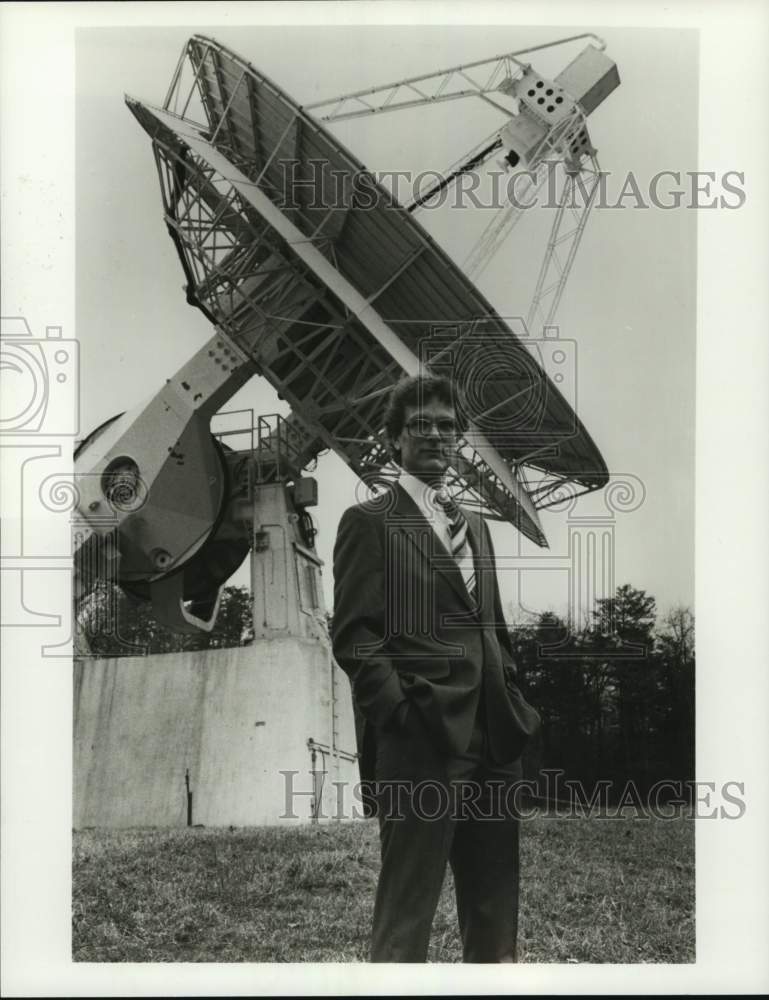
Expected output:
(422, 494)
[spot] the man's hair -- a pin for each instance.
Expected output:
(415, 390)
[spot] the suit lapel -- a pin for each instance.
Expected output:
(415, 526)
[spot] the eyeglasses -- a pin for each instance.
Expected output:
(421, 427)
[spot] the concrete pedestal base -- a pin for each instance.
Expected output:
(235, 719)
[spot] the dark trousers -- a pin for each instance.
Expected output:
(435, 809)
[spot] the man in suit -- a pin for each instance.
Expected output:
(418, 627)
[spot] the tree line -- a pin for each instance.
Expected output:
(616, 693)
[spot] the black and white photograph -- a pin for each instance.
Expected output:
(374, 587)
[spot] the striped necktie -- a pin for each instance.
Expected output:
(460, 544)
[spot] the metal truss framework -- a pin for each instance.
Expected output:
(581, 177)
(432, 88)
(500, 72)
(302, 337)
(577, 197)
(260, 298)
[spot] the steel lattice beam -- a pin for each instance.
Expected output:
(563, 242)
(473, 79)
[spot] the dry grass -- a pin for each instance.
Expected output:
(592, 891)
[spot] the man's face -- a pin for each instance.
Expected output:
(426, 444)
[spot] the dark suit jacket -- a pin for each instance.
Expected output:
(404, 627)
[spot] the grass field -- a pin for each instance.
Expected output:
(592, 891)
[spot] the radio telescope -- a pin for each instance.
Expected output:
(317, 279)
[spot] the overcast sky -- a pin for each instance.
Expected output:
(629, 305)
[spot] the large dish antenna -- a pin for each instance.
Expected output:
(333, 290)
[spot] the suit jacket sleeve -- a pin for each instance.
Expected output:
(358, 625)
